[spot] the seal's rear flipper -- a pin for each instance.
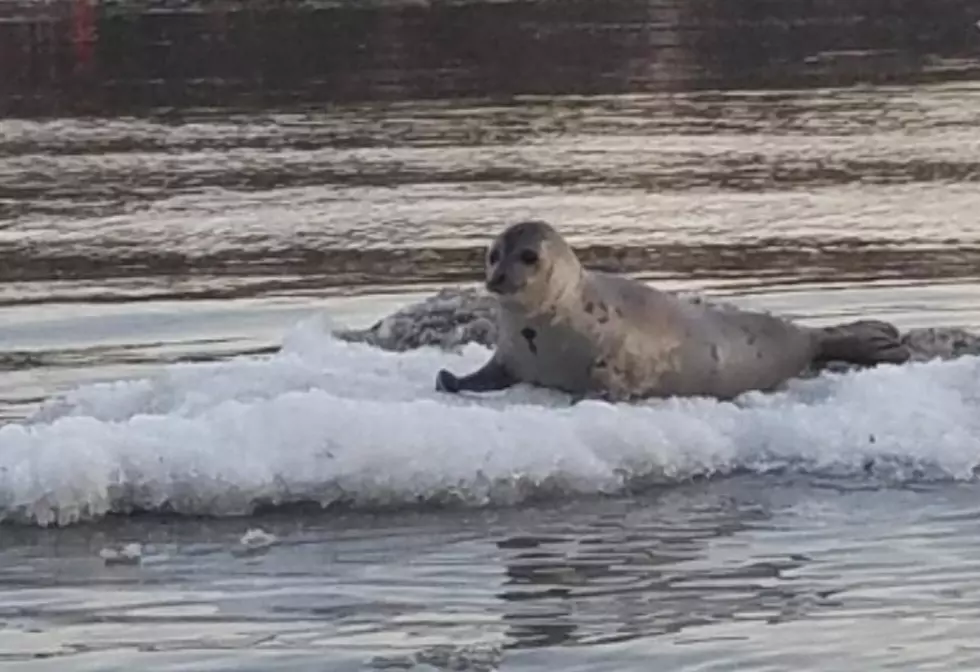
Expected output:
(490, 377)
(864, 343)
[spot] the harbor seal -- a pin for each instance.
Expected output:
(599, 335)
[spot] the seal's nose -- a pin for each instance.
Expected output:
(496, 280)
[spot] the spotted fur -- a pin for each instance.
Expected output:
(595, 334)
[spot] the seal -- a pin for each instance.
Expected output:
(452, 317)
(600, 335)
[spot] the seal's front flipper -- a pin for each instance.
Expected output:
(492, 376)
(864, 343)
(446, 382)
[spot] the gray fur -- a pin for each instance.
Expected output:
(604, 335)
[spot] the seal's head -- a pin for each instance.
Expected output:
(529, 264)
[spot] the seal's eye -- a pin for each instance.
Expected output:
(529, 257)
(494, 257)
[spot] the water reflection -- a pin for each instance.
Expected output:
(579, 573)
(651, 568)
(742, 570)
(88, 56)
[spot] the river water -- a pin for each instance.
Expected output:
(167, 378)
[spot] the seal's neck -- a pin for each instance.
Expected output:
(566, 287)
(560, 288)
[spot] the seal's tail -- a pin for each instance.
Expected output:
(864, 343)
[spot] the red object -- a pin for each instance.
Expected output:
(83, 31)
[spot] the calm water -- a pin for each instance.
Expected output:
(151, 267)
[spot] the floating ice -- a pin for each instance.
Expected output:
(130, 554)
(340, 423)
(255, 540)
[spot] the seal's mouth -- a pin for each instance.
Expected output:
(503, 290)
(497, 283)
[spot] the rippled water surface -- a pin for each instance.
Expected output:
(153, 265)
